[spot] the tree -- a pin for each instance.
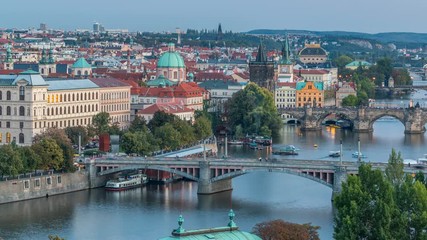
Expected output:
(159, 119)
(50, 152)
(350, 101)
(73, 134)
(140, 142)
(10, 160)
(138, 124)
(394, 169)
(365, 206)
(253, 108)
(30, 159)
(281, 230)
(185, 130)
(61, 138)
(101, 123)
(202, 127)
(401, 77)
(169, 138)
(342, 60)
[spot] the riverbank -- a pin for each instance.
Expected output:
(43, 186)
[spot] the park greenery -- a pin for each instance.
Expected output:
(377, 205)
(281, 230)
(53, 149)
(252, 111)
(367, 79)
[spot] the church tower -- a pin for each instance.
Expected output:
(285, 66)
(47, 64)
(219, 33)
(261, 71)
(8, 62)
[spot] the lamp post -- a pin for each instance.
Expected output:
(341, 152)
(358, 150)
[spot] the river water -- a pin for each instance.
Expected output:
(151, 212)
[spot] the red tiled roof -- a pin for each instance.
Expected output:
(311, 71)
(10, 72)
(167, 108)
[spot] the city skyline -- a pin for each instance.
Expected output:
(238, 16)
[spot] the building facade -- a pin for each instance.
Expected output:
(171, 65)
(309, 93)
(313, 54)
(345, 89)
(29, 105)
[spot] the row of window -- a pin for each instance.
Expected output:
(71, 97)
(63, 123)
(9, 94)
(285, 100)
(308, 99)
(114, 95)
(9, 111)
(115, 107)
(9, 138)
(9, 125)
(37, 182)
(285, 94)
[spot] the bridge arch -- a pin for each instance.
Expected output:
(279, 170)
(340, 115)
(375, 118)
(151, 167)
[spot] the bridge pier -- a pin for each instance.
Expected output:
(205, 186)
(414, 123)
(340, 176)
(95, 181)
(310, 122)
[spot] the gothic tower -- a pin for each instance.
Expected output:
(285, 66)
(261, 71)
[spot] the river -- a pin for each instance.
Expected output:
(151, 212)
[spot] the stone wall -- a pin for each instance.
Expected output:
(42, 186)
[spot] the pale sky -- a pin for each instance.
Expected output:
(371, 16)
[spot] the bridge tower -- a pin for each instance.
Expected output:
(206, 186)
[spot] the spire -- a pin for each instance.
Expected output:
(51, 60)
(43, 59)
(260, 57)
(286, 53)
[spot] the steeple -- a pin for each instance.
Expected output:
(285, 53)
(51, 60)
(43, 59)
(260, 57)
(219, 33)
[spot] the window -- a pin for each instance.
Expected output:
(8, 111)
(49, 181)
(59, 180)
(26, 184)
(21, 111)
(37, 183)
(1, 95)
(1, 110)
(21, 125)
(21, 138)
(1, 137)
(8, 95)
(21, 93)
(7, 124)
(8, 136)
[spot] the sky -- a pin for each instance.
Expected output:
(370, 16)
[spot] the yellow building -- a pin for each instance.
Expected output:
(309, 93)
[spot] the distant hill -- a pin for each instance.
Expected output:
(388, 37)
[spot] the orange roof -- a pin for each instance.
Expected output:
(166, 107)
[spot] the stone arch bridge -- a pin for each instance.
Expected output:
(363, 118)
(215, 175)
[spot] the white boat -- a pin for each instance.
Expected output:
(124, 183)
(334, 154)
(235, 142)
(421, 162)
(356, 155)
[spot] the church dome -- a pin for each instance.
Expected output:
(171, 59)
(312, 49)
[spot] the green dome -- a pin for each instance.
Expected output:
(171, 59)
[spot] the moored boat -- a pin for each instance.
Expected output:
(334, 154)
(235, 142)
(287, 150)
(356, 155)
(124, 183)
